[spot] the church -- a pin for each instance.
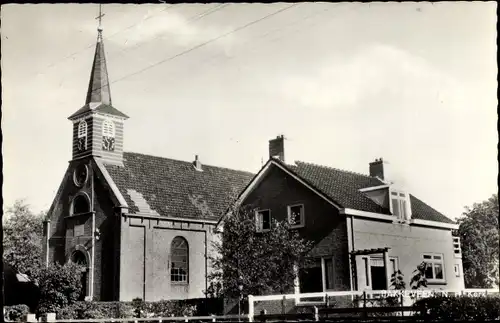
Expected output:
(142, 226)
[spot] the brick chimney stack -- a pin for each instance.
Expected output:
(380, 168)
(197, 164)
(277, 148)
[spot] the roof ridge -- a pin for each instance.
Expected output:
(188, 162)
(335, 168)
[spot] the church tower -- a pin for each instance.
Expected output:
(98, 126)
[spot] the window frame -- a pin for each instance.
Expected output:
(367, 265)
(457, 246)
(171, 262)
(259, 223)
(433, 261)
(324, 274)
(456, 269)
(403, 202)
(302, 216)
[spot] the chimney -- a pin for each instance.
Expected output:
(197, 164)
(277, 148)
(379, 168)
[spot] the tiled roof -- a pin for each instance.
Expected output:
(174, 188)
(343, 188)
(340, 185)
(422, 211)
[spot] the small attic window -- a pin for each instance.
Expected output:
(108, 128)
(82, 129)
(400, 204)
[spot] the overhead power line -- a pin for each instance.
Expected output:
(196, 17)
(108, 37)
(273, 31)
(203, 44)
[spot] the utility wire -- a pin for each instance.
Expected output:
(108, 37)
(262, 36)
(196, 17)
(202, 44)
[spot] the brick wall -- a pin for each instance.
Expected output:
(323, 224)
(106, 221)
(63, 241)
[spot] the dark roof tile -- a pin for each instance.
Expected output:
(343, 188)
(175, 188)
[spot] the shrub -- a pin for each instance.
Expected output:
(96, 310)
(458, 308)
(139, 309)
(60, 287)
(16, 313)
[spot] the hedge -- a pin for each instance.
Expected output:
(140, 309)
(458, 308)
(16, 313)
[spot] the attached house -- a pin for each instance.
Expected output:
(363, 226)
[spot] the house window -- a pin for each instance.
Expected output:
(456, 268)
(374, 271)
(457, 250)
(263, 220)
(434, 270)
(398, 204)
(329, 273)
(318, 276)
(393, 265)
(296, 215)
(179, 260)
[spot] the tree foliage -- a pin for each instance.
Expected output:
(23, 233)
(60, 286)
(258, 263)
(418, 279)
(478, 230)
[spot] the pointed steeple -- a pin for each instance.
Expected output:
(98, 91)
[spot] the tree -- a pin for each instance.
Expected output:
(478, 231)
(60, 286)
(256, 263)
(23, 233)
(418, 279)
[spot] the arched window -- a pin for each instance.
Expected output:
(82, 129)
(81, 204)
(108, 128)
(179, 260)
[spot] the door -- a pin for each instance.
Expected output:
(378, 278)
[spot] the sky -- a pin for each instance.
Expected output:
(413, 83)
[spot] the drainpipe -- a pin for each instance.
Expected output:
(47, 238)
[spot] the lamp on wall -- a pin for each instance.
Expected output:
(97, 234)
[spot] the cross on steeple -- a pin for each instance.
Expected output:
(99, 28)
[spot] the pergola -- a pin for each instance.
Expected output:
(365, 252)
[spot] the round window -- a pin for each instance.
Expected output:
(80, 175)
